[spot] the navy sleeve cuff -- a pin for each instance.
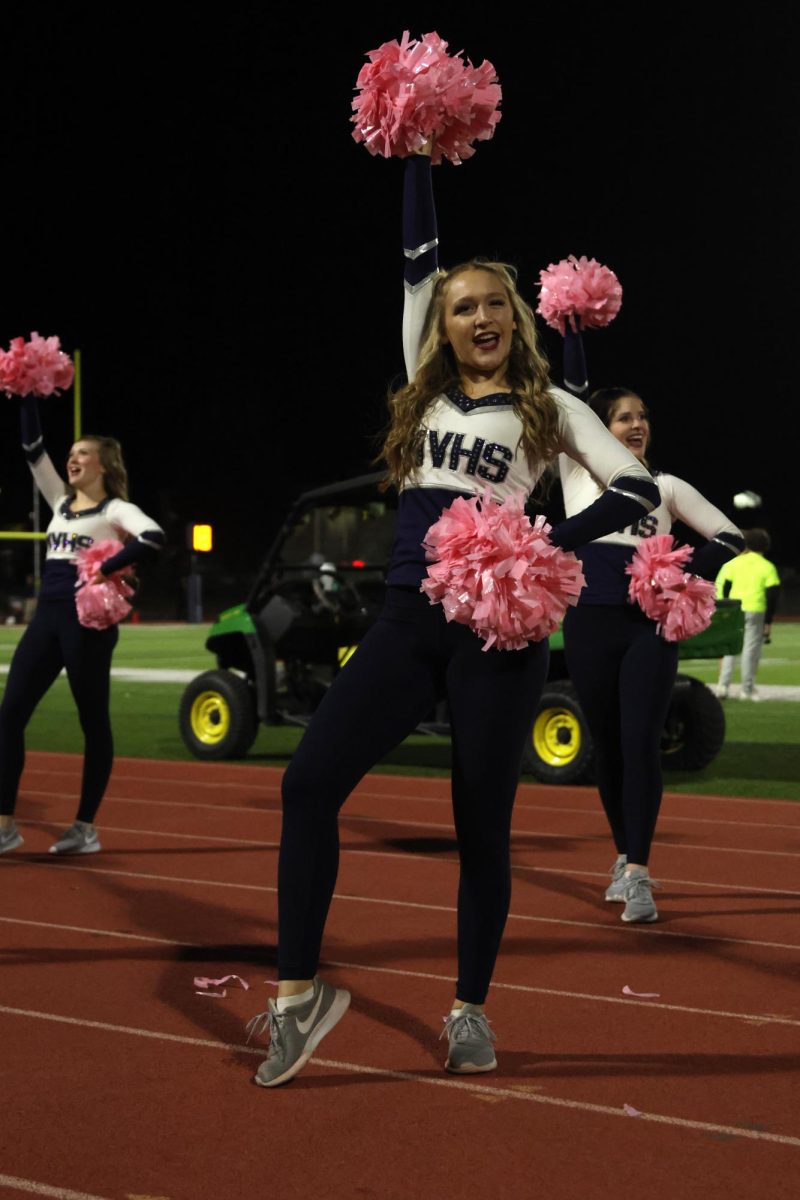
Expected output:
(145, 546)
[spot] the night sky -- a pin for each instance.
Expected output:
(183, 201)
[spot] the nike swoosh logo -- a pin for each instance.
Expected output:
(305, 1026)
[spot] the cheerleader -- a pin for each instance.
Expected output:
(92, 506)
(478, 408)
(622, 669)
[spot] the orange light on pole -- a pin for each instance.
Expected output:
(202, 538)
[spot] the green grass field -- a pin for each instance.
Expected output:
(761, 756)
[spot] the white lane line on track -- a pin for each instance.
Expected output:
(261, 788)
(188, 837)
(561, 993)
(426, 859)
(448, 826)
(431, 1081)
(519, 807)
(111, 933)
(61, 864)
(33, 1188)
(753, 1018)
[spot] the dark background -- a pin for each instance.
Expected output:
(183, 201)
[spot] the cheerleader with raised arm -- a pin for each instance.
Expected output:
(92, 516)
(478, 409)
(621, 662)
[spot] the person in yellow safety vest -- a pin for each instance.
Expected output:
(752, 579)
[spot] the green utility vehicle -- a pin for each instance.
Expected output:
(318, 591)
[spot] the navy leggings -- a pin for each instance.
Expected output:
(409, 659)
(54, 639)
(623, 672)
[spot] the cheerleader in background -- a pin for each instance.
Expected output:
(622, 669)
(91, 507)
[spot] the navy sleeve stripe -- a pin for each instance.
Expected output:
(577, 389)
(412, 288)
(643, 490)
(35, 450)
(731, 541)
(152, 537)
(421, 249)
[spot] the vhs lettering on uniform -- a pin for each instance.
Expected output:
(438, 449)
(495, 455)
(69, 541)
(645, 527)
(472, 455)
(501, 467)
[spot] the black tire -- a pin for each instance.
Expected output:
(559, 749)
(218, 716)
(694, 730)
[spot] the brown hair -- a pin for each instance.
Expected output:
(437, 370)
(604, 401)
(115, 475)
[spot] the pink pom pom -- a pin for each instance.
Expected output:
(579, 287)
(682, 604)
(35, 368)
(497, 573)
(411, 90)
(101, 604)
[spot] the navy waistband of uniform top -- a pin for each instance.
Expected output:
(58, 581)
(604, 566)
(417, 510)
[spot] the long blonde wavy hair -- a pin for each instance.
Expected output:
(527, 374)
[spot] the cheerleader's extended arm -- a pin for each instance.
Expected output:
(420, 242)
(46, 477)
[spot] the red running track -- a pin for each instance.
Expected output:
(120, 1083)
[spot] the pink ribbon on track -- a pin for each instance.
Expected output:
(202, 985)
(626, 991)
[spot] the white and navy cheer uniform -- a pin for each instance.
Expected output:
(55, 639)
(622, 669)
(412, 657)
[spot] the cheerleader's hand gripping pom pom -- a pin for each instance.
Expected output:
(38, 367)
(410, 91)
(101, 604)
(681, 604)
(579, 288)
(493, 570)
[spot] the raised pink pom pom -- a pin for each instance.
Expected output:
(498, 573)
(35, 368)
(681, 604)
(579, 287)
(412, 90)
(101, 604)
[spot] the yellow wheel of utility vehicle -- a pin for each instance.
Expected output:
(217, 715)
(559, 749)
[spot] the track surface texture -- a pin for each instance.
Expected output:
(120, 1082)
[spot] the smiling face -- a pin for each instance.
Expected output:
(84, 469)
(478, 324)
(630, 424)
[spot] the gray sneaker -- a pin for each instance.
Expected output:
(294, 1035)
(10, 838)
(616, 889)
(470, 1040)
(638, 897)
(80, 838)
